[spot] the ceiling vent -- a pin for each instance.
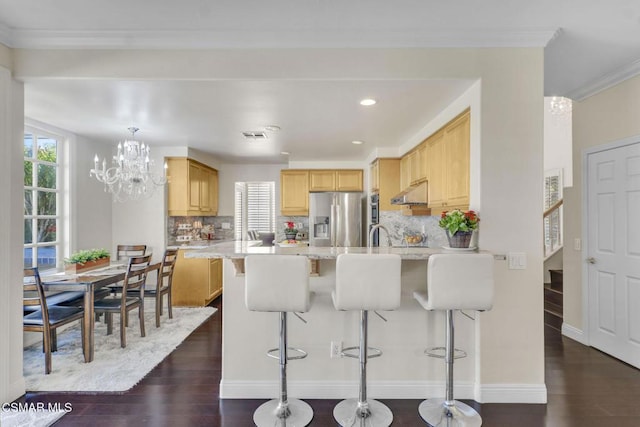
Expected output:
(258, 135)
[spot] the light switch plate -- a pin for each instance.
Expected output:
(577, 244)
(517, 260)
(226, 225)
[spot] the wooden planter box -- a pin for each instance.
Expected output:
(89, 265)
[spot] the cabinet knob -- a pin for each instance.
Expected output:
(591, 260)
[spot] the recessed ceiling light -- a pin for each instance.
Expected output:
(284, 153)
(272, 128)
(357, 142)
(367, 102)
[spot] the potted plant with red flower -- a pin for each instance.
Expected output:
(290, 230)
(459, 227)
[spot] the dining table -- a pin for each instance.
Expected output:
(88, 282)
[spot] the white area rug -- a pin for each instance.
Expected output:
(35, 418)
(113, 368)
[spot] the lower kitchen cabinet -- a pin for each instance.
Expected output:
(196, 281)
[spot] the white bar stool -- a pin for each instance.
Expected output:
(365, 282)
(454, 282)
(268, 289)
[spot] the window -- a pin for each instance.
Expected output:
(254, 208)
(42, 218)
(552, 221)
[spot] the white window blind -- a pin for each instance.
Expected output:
(254, 208)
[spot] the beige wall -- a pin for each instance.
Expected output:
(606, 117)
(11, 235)
(508, 189)
(5, 56)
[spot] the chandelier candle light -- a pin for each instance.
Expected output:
(130, 176)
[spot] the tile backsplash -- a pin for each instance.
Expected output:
(223, 226)
(399, 225)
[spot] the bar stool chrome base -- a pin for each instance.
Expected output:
(346, 414)
(300, 414)
(438, 413)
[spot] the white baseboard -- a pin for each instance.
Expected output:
(15, 390)
(512, 393)
(491, 393)
(574, 333)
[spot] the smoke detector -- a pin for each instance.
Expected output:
(257, 135)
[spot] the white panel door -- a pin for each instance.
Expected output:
(613, 218)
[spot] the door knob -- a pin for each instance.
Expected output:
(591, 260)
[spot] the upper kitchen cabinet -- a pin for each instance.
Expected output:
(448, 166)
(294, 192)
(335, 180)
(385, 181)
(192, 188)
(413, 166)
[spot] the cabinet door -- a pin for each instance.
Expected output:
(457, 161)
(374, 179)
(349, 180)
(322, 180)
(436, 171)
(294, 192)
(421, 162)
(213, 191)
(177, 182)
(194, 186)
(389, 183)
(405, 172)
(205, 190)
(215, 279)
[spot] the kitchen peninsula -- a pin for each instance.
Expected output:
(403, 371)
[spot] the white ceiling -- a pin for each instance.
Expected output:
(589, 45)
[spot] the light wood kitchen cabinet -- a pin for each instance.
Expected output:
(192, 188)
(335, 180)
(349, 180)
(294, 192)
(385, 173)
(196, 281)
(448, 160)
(374, 180)
(405, 172)
(417, 167)
(322, 180)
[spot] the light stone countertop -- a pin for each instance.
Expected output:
(235, 250)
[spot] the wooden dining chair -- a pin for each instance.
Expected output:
(134, 280)
(163, 283)
(123, 252)
(48, 318)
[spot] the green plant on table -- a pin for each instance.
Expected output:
(457, 220)
(84, 256)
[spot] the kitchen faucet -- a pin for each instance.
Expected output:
(374, 228)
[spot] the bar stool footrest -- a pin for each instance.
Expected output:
(302, 354)
(439, 353)
(376, 352)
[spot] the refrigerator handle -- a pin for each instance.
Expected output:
(332, 222)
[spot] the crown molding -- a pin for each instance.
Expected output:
(472, 38)
(606, 81)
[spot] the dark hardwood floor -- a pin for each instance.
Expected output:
(585, 388)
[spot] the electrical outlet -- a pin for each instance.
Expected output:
(336, 349)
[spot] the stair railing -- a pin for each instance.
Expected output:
(552, 219)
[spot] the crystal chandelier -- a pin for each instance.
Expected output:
(560, 106)
(129, 177)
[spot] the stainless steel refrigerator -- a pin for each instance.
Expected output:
(335, 219)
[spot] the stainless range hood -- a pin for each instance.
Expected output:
(415, 195)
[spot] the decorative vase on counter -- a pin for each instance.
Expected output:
(290, 236)
(460, 239)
